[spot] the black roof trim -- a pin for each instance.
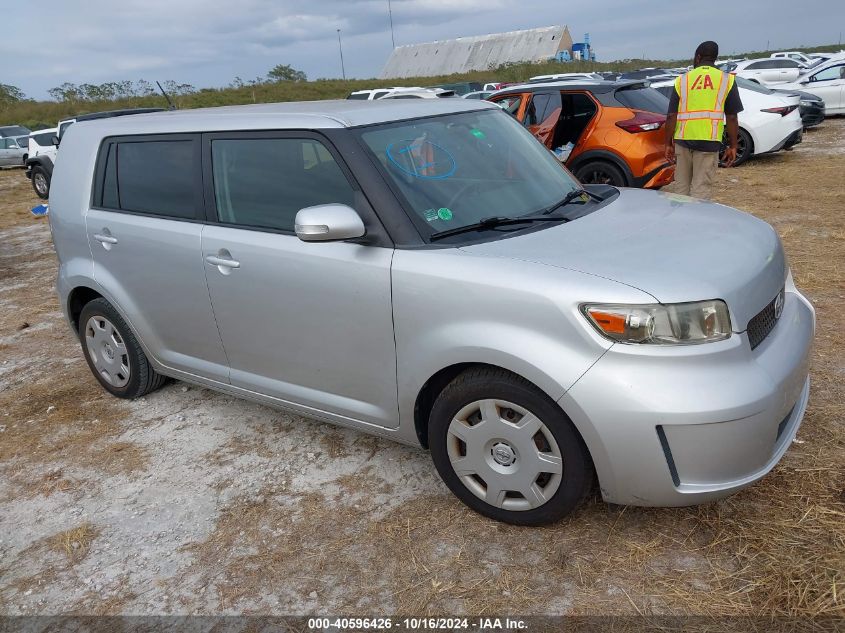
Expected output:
(598, 87)
(112, 113)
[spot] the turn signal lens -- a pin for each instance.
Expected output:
(657, 324)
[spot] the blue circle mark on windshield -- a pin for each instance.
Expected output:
(421, 159)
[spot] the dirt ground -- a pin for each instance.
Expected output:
(192, 502)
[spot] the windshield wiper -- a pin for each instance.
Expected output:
(489, 223)
(570, 197)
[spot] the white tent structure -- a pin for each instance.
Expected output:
(479, 52)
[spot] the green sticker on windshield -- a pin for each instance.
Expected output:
(477, 133)
(444, 214)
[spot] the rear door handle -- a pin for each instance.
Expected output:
(105, 239)
(220, 261)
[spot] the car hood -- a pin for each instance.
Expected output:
(673, 247)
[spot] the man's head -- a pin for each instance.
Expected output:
(706, 53)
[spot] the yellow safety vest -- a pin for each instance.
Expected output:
(702, 93)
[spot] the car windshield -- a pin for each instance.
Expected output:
(455, 170)
(13, 130)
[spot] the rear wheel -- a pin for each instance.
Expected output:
(507, 450)
(601, 172)
(41, 182)
(114, 354)
(744, 148)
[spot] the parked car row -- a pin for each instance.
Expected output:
(819, 75)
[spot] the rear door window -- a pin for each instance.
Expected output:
(155, 177)
(834, 72)
(264, 182)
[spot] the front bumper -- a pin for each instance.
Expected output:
(680, 426)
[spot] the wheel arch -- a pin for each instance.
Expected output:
(605, 155)
(432, 387)
(752, 138)
(77, 299)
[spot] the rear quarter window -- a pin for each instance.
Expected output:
(646, 99)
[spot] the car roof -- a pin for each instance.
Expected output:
(593, 85)
(340, 113)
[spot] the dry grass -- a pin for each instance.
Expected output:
(53, 415)
(76, 542)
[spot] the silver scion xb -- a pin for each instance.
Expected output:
(427, 271)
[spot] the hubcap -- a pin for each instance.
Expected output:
(107, 351)
(40, 183)
(504, 454)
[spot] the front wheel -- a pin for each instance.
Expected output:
(507, 450)
(600, 172)
(41, 182)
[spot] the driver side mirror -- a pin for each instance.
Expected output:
(328, 223)
(55, 141)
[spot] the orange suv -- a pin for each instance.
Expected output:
(615, 127)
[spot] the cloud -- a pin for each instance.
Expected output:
(208, 42)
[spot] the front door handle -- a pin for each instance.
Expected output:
(105, 239)
(222, 262)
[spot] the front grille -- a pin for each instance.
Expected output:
(762, 323)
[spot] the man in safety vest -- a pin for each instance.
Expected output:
(703, 99)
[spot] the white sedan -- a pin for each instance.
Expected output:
(827, 82)
(771, 70)
(769, 122)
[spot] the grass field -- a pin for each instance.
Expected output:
(42, 114)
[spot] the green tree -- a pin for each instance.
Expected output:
(284, 72)
(11, 94)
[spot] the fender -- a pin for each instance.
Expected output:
(45, 162)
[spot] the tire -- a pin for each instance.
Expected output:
(41, 182)
(601, 172)
(744, 147)
(511, 457)
(113, 353)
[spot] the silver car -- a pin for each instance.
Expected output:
(13, 151)
(428, 272)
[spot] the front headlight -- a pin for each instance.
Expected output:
(805, 102)
(657, 324)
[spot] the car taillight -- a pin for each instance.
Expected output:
(783, 110)
(642, 122)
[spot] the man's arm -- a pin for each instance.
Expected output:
(733, 106)
(671, 122)
(732, 126)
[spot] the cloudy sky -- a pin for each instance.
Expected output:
(209, 42)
